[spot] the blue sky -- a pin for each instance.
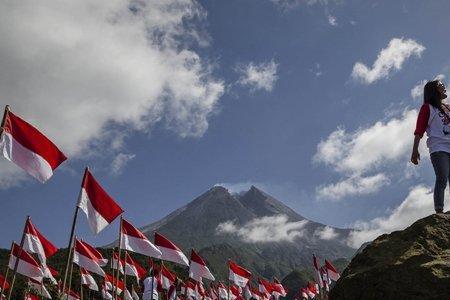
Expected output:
(165, 103)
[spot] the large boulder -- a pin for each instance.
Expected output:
(410, 264)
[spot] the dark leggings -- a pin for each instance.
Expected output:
(441, 165)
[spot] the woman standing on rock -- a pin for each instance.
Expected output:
(434, 119)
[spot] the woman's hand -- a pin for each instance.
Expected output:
(415, 157)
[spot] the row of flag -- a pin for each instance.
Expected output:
(28, 148)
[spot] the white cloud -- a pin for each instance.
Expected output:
(265, 229)
(261, 76)
(332, 20)
(359, 154)
(77, 67)
(326, 233)
(352, 186)
(418, 204)
(120, 161)
(390, 58)
(417, 90)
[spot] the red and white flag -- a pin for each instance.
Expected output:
(111, 281)
(317, 274)
(223, 291)
(235, 292)
(135, 241)
(171, 294)
(278, 289)
(27, 265)
(256, 294)
(98, 206)
(170, 251)
(3, 282)
(198, 268)
(333, 274)
(133, 268)
(115, 263)
(50, 273)
(88, 280)
(248, 292)
(238, 275)
(28, 148)
(304, 293)
(265, 287)
(100, 259)
(83, 257)
(312, 290)
(325, 280)
(167, 278)
(105, 294)
(39, 288)
(190, 289)
(35, 242)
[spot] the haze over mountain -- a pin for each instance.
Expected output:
(252, 228)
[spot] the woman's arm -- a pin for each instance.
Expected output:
(415, 155)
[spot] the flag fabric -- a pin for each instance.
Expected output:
(325, 280)
(28, 148)
(35, 242)
(265, 286)
(105, 294)
(98, 206)
(27, 265)
(3, 282)
(39, 287)
(115, 263)
(134, 295)
(127, 295)
(172, 293)
(247, 292)
(304, 293)
(83, 257)
(167, 278)
(256, 294)
(170, 251)
(111, 282)
(312, 290)
(278, 288)
(88, 280)
(238, 275)
(50, 273)
(190, 289)
(317, 274)
(235, 292)
(100, 259)
(198, 268)
(223, 291)
(135, 241)
(133, 268)
(333, 274)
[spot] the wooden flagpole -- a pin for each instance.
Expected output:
(71, 268)
(81, 285)
(7, 271)
(71, 241)
(125, 271)
(118, 257)
(4, 120)
(16, 264)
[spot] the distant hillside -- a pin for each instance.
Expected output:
(195, 225)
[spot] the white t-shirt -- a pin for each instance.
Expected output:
(438, 130)
(148, 288)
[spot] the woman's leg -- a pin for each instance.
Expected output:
(441, 166)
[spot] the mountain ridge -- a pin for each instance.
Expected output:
(195, 225)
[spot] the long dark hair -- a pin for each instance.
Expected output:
(431, 94)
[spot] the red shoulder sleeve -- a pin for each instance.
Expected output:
(422, 120)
